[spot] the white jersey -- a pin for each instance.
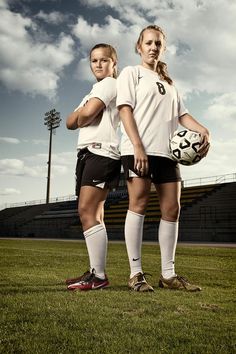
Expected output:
(101, 136)
(156, 108)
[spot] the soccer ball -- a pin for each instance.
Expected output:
(184, 147)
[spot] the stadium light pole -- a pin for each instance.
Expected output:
(52, 120)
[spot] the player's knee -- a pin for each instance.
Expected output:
(171, 212)
(89, 216)
(138, 206)
(83, 211)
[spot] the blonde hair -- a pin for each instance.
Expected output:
(112, 54)
(161, 66)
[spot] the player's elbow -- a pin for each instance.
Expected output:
(70, 127)
(71, 123)
(125, 108)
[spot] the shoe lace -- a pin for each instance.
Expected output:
(144, 275)
(85, 273)
(88, 276)
(141, 279)
(183, 280)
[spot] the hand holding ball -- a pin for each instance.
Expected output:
(184, 147)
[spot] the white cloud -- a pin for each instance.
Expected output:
(61, 164)
(3, 4)
(83, 72)
(17, 167)
(222, 113)
(9, 140)
(201, 55)
(27, 64)
(59, 170)
(54, 18)
(89, 35)
(36, 141)
(63, 158)
(9, 191)
(40, 142)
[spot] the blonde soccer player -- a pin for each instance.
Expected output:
(150, 109)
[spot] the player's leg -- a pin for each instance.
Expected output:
(79, 172)
(97, 175)
(138, 189)
(91, 204)
(91, 207)
(169, 197)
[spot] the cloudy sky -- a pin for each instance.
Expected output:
(43, 65)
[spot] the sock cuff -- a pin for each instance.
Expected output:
(92, 230)
(169, 222)
(133, 212)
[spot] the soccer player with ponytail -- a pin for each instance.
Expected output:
(150, 110)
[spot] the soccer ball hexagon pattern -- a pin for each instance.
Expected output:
(184, 147)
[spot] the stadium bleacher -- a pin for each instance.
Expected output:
(208, 214)
(213, 218)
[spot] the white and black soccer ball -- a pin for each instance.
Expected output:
(184, 147)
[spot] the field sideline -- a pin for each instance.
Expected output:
(38, 315)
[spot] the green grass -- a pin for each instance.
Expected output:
(38, 314)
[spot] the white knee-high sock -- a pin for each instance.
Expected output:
(96, 242)
(168, 235)
(133, 239)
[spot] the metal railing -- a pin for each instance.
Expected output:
(202, 181)
(40, 201)
(227, 178)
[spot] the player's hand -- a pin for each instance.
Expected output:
(140, 161)
(204, 148)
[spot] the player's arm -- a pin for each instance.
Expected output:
(188, 122)
(85, 115)
(128, 121)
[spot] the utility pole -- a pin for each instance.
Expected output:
(52, 120)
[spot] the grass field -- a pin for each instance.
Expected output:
(38, 314)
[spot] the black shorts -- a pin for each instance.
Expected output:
(161, 169)
(97, 171)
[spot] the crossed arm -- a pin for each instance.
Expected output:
(85, 115)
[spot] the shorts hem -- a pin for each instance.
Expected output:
(168, 181)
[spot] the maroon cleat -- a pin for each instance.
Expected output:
(78, 279)
(89, 282)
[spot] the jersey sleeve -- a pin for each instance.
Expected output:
(82, 103)
(105, 90)
(181, 107)
(126, 83)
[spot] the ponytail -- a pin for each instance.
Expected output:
(161, 70)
